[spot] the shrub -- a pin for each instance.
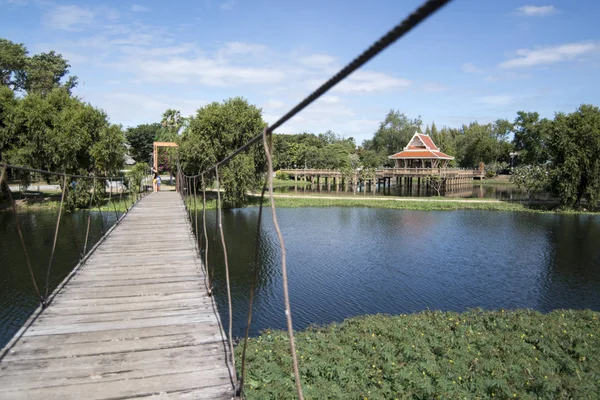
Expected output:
(519, 354)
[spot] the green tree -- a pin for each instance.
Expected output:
(59, 132)
(141, 139)
(217, 130)
(530, 178)
(39, 74)
(172, 121)
(13, 60)
(44, 72)
(478, 143)
(531, 138)
(574, 146)
(393, 134)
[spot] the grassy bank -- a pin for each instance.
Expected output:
(473, 355)
(51, 202)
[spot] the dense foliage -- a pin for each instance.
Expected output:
(307, 150)
(214, 132)
(475, 355)
(39, 73)
(43, 126)
(574, 145)
(58, 132)
(530, 178)
(141, 139)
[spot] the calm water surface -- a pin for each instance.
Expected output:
(17, 295)
(344, 262)
(474, 191)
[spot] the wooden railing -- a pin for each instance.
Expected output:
(390, 172)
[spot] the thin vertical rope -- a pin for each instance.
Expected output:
(62, 200)
(212, 269)
(18, 225)
(286, 295)
(252, 286)
(109, 201)
(89, 222)
(100, 209)
(220, 216)
(73, 230)
(196, 217)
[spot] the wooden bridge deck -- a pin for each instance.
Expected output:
(134, 322)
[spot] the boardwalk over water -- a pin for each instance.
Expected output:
(133, 322)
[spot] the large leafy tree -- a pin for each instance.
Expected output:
(59, 132)
(217, 130)
(37, 74)
(574, 146)
(141, 139)
(13, 60)
(307, 150)
(393, 134)
(531, 138)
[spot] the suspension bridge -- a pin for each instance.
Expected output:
(134, 321)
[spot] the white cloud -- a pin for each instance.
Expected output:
(496, 100)
(139, 8)
(371, 81)
(69, 18)
(471, 68)
(201, 70)
(330, 99)
(434, 87)
(241, 48)
(536, 11)
(274, 104)
(319, 61)
(134, 108)
(549, 55)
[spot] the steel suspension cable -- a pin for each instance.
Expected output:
(62, 200)
(415, 18)
(224, 246)
(18, 226)
(284, 277)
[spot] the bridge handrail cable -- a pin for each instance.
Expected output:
(420, 14)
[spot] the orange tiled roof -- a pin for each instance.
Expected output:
(409, 154)
(428, 142)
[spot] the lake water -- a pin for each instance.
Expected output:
(17, 294)
(474, 191)
(344, 262)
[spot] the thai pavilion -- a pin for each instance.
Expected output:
(421, 152)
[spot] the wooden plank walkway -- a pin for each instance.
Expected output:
(134, 322)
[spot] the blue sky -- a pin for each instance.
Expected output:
(473, 60)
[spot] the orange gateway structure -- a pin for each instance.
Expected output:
(421, 152)
(156, 146)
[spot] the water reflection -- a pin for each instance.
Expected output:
(17, 295)
(350, 261)
(480, 191)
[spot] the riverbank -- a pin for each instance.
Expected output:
(324, 200)
(502, 354)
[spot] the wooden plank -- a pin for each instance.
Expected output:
(135, 321)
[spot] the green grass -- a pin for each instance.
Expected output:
(50, 201)
(399, 203)
(434, 355)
